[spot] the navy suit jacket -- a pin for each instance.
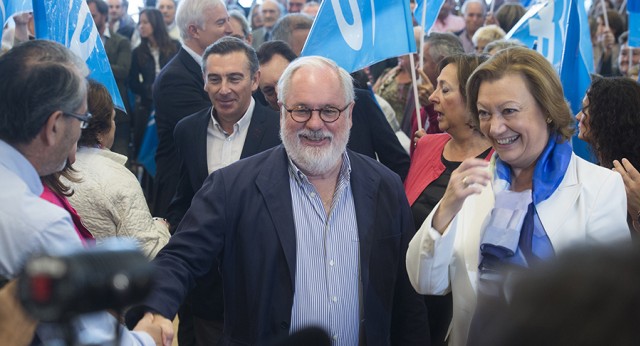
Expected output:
(190, 138)
(372, 135)
(178, 91)
(242, 218)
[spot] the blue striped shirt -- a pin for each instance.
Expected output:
(327, 258)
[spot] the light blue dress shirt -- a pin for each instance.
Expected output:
(327, 259)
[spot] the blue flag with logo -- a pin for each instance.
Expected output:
(543, 27)
(633, 9)
(358, 33)
(433, 8)
(70, 24)
(559, 30)
(577, 66)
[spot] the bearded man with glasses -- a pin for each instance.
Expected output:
(305, 234)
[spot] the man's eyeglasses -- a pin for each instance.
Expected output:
(84, 118)
(328, 114)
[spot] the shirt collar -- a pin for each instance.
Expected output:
(15, 162)
(197, 57)
(343, 175)
(242, 123)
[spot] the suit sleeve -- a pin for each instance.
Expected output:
(181, 201)
(192, 250)
(122, 62)
(134, 74)
(409, 325)
(385, 143)
(175, 96)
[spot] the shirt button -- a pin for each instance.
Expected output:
(312, 194)
(331, 263)
(334, 299)
(335, 337)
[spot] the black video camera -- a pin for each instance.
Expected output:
(56, 289)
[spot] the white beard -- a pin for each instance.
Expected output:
(314, 160)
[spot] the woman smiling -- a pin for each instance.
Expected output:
(535, 199)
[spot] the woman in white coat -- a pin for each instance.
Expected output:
(534, 199)
(108, 197)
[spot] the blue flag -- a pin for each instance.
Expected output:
(633, 9)
(543, 27)
(559, 30)
(358, 33)
(147, 154)
(70, 24)
(433, 8)
(577, 66)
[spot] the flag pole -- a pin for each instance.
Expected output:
(604, 13)
(422, 22)
(623, 6)
(493, 4)
(415, 91)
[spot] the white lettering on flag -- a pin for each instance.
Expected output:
(83, 48)
(352, 33)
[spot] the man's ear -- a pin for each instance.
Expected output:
(193, 30)
(52, 130)
(255, 82)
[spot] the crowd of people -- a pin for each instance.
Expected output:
(290, 193)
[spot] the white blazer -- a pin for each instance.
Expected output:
(589, 206)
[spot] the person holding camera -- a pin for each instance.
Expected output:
(42, 111)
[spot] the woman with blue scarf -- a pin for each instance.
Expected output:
(534, 199)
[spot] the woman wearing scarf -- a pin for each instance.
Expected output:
(534, 198)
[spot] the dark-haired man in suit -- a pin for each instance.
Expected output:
(235, 127)
(178, 89)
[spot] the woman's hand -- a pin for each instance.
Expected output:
(425, 89)
(416, 136)
(469, 179)
(607, 40)
(631, 179)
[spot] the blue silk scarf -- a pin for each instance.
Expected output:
(514, 234)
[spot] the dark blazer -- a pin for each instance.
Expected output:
(243, 218)
(177, 92)
(190, 138)
(146, 70)
(372, 135)
(191, 142)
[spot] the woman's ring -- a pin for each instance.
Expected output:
(464, 181)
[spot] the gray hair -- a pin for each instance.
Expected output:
(502, 44)
(488, 33)
(286, 25)
(244, 23)
(317, 62)
(192, 12)
(442, 45)
(463, 10)
(39, 77)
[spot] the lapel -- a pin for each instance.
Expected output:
(554, 211)
(273, 183)
(255, 133)
(201, 123)
(364, 186)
